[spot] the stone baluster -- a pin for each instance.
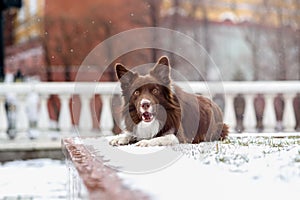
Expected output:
(289, 120)
(229, 113)
(43, 121)
(249, 115)
(85, 120)
(22, 123)
(106, 122)
(269, 119)
(3, 116)
(64, 122)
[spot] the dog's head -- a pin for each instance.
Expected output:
(145, 93)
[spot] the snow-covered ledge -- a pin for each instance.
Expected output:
(86, 90)
(267, 164)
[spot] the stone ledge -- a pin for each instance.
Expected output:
(10, 155)
(101, 182)
(23, 149)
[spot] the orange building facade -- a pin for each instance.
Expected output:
(51, 38)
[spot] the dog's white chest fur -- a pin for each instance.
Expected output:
(146, 130)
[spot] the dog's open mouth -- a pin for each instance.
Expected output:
(147, 116)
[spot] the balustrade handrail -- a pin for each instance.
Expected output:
(86, 90)
(248, 87)
(232, 87)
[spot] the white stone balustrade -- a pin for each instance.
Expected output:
(106, 122)
(64, 120)
(85, 120)
(269, 118)
(43, 121)
(22, 118)
(229, 116)
(249, 115)
(87, 90)
(3, 119)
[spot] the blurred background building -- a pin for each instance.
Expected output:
(248, 40)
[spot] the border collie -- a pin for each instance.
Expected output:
(157, 112)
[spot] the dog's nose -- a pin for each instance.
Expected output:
(145, 105)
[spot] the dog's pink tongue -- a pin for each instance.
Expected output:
(147, 116)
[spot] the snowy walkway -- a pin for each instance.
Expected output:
(33, 179)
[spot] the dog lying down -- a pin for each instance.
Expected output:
(157, 112)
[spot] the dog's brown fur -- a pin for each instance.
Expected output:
(191, 118)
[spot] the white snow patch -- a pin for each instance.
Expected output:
(244, 168)
(187, 179)
(34, 179)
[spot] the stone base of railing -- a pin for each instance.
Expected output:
(42, 144)
(25, 148)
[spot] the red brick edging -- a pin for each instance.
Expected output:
(100, 181)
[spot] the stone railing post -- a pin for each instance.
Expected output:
(229, 113)
(3, 117)
(22, 123)
(106, 122)
(85, 120)
(64, 121)
(43, 121)
(269, 119)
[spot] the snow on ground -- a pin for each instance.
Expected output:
(238, 168)
(33, 179)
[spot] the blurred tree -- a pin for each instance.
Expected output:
(154, 16)
(202, 35)
(190, 17)
(175, 13)
(252, 35)
(296, 25)
(281, 40)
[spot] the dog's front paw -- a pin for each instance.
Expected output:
(144, 143)
(121, 140)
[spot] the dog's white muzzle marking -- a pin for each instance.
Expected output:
(146, 110)
(145, 105)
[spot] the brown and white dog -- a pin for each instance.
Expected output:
(157, 112)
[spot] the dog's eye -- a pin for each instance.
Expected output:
(136, 93)
(155, 91)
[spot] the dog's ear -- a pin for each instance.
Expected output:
(164, 60)
(161, 70)
(120, 70)
(124, 75)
